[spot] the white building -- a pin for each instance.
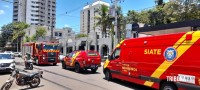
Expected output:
(35, 12)
(64, 36)
(87, 18)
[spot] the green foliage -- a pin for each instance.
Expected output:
(33, 38)
(81, 35)
(104, 19)
(163, 13)
(12, 31)
(41, 32)
(27, 39)
(19, 29)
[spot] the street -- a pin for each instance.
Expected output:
(55, 77)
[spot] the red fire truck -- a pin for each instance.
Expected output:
(42, 52)
(164, 62)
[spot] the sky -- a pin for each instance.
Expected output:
(73, 8)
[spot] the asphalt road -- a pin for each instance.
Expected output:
(56, 78)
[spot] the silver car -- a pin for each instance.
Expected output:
(7, 63)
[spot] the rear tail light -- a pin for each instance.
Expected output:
(88, 59)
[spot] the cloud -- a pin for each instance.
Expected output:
(6, 6)
(2, 12)
(66, 25)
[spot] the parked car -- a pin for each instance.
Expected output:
(7, 63)
(82, 60)
(17, 54)
(10, 52)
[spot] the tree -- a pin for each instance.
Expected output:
(132, 16)
(159, 2)
(33, 38)
(27, 39)
(6, 34)
(41, 32)
(81, 35)
(121, 24)
(19, 30)
(103, 19)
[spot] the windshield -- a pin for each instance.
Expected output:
(51, 47)
(5, 56)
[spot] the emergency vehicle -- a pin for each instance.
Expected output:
(42, 52)
(164, 62)
(81, 60)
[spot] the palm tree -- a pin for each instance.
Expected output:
(103, 19)
(159, 2)
(41, 32)
(120, 23)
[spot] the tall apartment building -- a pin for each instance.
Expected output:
(87, 18)
(35, 12)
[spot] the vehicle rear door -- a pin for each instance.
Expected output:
(93, 58)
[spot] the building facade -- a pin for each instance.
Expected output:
(35, 12)
(87, 18)
(64, 36)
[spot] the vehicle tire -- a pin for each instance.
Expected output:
(35, 82)
(31, 67)
(77, 68)
(54, 64)
(63, 65)
(94, 70)
(6, 86)
(108, 75)
(168, 86)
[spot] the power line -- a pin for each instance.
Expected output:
(7, 1)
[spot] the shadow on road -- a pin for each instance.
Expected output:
(130, 85)
(28, 88)
(4, 73)
(84, 72)
(46, 65)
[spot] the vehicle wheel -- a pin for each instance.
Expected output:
(63, 65)
(168, 86)
(108, 75)
(54, 64)
(31, 67)
(94, 70)
(77, 68)
(6, 86)
(35, 82)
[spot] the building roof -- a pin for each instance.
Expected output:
(188, 23)
(97, 3)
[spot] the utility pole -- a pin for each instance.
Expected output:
(115, 2)
(52, 22)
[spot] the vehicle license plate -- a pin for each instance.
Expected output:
(2, 68)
